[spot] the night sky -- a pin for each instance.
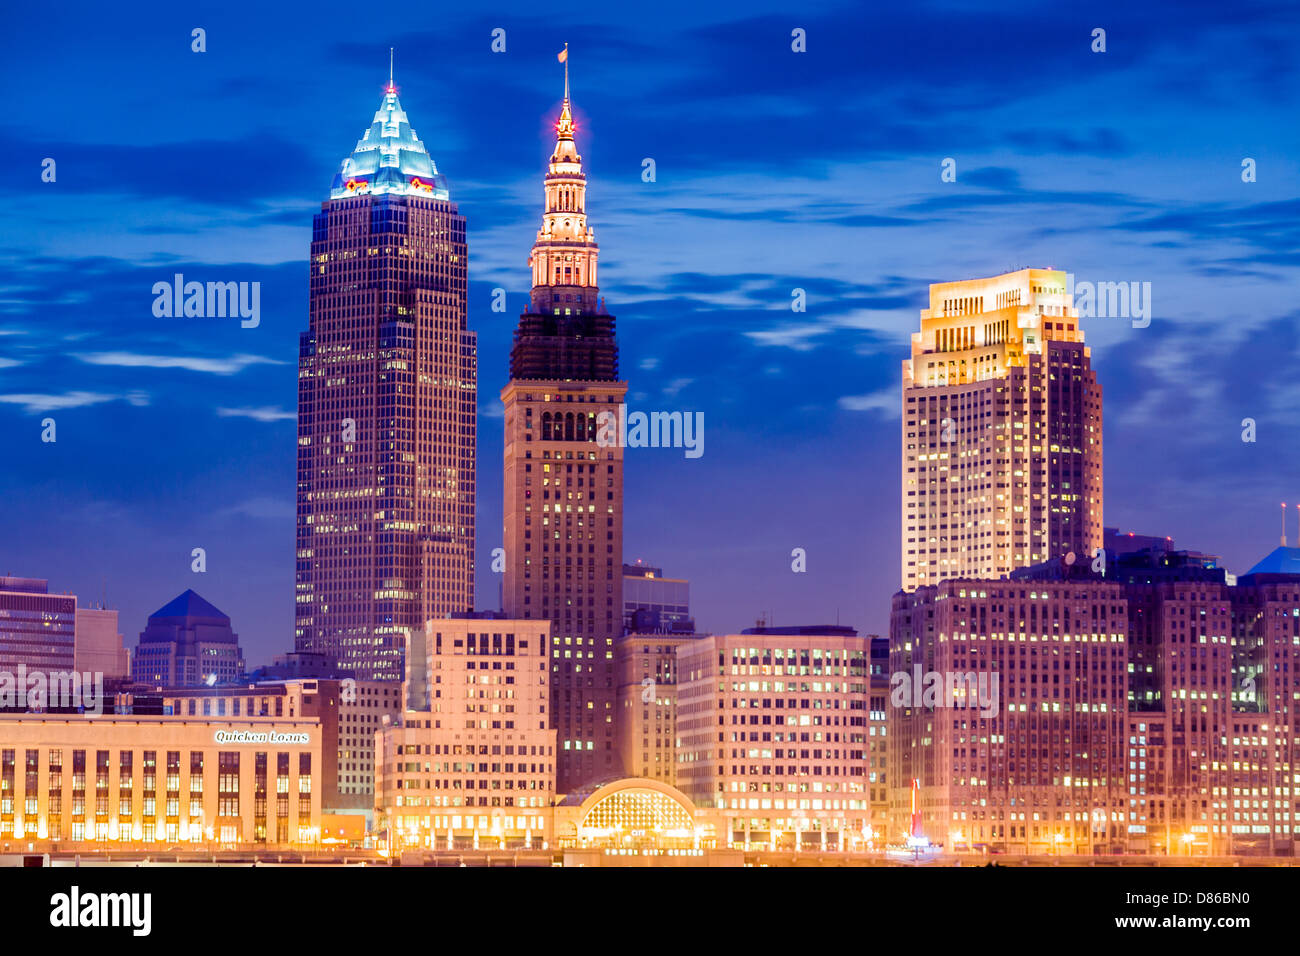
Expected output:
(775, 170)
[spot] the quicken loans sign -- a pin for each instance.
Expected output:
(253, 737)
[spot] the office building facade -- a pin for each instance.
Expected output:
(1001, 431)
(772, 729)
(95, 784)
(480, 760)
(652, 602)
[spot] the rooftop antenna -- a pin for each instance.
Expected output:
(390, 68)
(1284, 524)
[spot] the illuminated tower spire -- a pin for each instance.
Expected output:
(389, 157)
(564, 537)
(564, 255)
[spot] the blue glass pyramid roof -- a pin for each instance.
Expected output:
(188, 604)
(389, 159)
(1280, 560)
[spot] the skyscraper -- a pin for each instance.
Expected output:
(1002, 453)
(564, 492)
(387, 394)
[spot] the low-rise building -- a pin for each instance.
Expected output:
(350, 712)
(645, 720)
(80, 783)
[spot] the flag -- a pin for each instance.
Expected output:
(563, 55)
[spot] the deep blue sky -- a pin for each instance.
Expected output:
(776, 170)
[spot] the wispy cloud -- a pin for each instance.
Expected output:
(264, 414)
(886, 400)
(36, 402)
(797, 337)
(676, 385)
(215, 366)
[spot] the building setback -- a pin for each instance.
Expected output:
(387, 406)
(477, 760)
(187, 642)
(563, 510)
(1001, 431)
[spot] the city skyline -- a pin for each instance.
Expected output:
(359, 507)
(828, 376)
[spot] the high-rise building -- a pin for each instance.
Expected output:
(1146, 710)
(1002, 445)
(773, 731)
(387, 394)
(49, 633)
(878, 741)
(564, 491)
(187, 642)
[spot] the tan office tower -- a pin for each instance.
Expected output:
(564, 491)
(1002, 454)
(387, 396)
